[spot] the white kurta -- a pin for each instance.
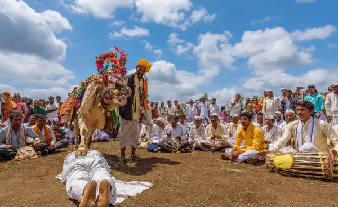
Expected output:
(271, 105)
(79, 170)
(271, 135)
(205, 108)
(175, 132)
(281, 124)
(191, 111)
(151, 133)
(162, 112)
(236, 108)
(51, 116)
(232, 133)
(99, 134)
(214, 109)
(197, 134)
(331, 106)
(219, 131)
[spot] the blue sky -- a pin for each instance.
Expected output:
(299, 48)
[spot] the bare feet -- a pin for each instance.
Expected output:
(157, 149)
(212, 149)
(252, 161)
(104, 194)
(89, 195)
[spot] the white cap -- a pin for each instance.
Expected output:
(213, 114)
(269, 116)
(290, 111)
(198, 118)
(161, 120)
(278, 112)
(235, 115)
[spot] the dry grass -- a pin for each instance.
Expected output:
(194, 179)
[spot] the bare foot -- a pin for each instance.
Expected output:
(252, 161)
(89, 195)
(104, 194)
(213, 149)
(225, 157)
(157, 149)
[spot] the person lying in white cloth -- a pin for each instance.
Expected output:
(88, 179)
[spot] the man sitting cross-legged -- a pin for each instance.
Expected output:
(17, 135)
(88, 179)
(44, 132)
(197, 133)
(308, 133)
(174, 139)
(270, 131)
(149, 134)
(254, 141)
(216, 135)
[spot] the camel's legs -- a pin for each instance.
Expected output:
(76, 131)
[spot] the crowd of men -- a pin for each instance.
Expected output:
(247, 131)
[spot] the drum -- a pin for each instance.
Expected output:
(314, 165)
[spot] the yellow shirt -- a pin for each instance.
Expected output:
(323, 132)
(137, 103)
(253, 137)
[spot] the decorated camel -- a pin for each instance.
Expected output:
(94, 104)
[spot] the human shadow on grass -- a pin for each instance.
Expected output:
(142, 167)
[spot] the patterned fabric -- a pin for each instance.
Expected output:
(290, 105)
(22, 136)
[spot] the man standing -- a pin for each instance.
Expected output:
(331, 105)
(132, 113)
(205, 109)
(191, 111)
(214, 109)
(236, 106)
(162, 111)
(307, 132)
(315, 98)
(271, 104)
(169, 108)
(288, 102)
(284, 94)
(51, 109)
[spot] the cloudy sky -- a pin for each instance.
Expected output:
(218, 47)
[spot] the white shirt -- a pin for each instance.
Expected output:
(205, 108)
(54, 114)
(272, 135)
(271, 105)
(151, 133)
(191, 111)
(197, 134)
(257, 125)
(220, 131)
(228, 126)
(185, 127)
(215, 109)
(281, 124)
(43, 135)
(100, 134)
(175, 132)
(169, 110)
(237, 108)
(162, 112)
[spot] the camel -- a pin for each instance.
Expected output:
(96, 108)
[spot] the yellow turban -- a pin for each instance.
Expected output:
(145, 64)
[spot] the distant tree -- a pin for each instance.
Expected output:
(205, 95)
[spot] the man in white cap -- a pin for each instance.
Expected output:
(162, 111)
(216, 135)
(331, 105)
(191, 111)
(270, 131)
(233, 126)
(290, 116)
(197, 133)
(279, 122)
(214, 109)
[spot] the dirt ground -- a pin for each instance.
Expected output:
(193, 179)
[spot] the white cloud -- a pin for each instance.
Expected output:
(265, 19)
(136, 32)
(201, 14)
(180, 49)
(173, 39)
(314, 33)
(30, 53)
(30, 32)
(331, 45)
(98, 8)
(117, 23)
(305, 1)
(149, 47)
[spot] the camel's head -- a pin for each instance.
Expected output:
(120, 100)
(108, 95)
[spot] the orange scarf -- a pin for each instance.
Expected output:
(36, 130)
(145, 90)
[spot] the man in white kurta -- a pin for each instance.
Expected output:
(162, 111)
(88, 179)
(197, 133)
(232, 129)
(149, 134)
(279, 121)
(205, 109)
(271, 104)
(100, 136)
(331, 105)
(214, 108)
(216, 135)
(191, 111)
(235, 105)
(270, 131)
(174, 139)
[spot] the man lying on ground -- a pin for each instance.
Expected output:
(88, 179)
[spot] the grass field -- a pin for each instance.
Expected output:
(193, 179)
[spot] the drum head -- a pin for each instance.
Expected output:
(283, 161)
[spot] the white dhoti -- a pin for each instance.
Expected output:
(129, 133)
(334, 119)
(79, 170)
(250, 154)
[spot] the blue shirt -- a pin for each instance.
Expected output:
(317, 101)
(16, 136)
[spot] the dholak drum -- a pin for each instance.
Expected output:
(301, 164)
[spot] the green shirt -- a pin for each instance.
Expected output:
(38, 110)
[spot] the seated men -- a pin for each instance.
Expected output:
(44, 132)
(17, 135)
(88, 179)
(174, 139)
(184, 124)
(307, 131)
(254, 141)
(100, 136)
(148, 134)
(60, 135)
(290, 116)
(270, 131)
(259, 120)
(160, 125)
(232, 129)
(197, 133)
(216, 135)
